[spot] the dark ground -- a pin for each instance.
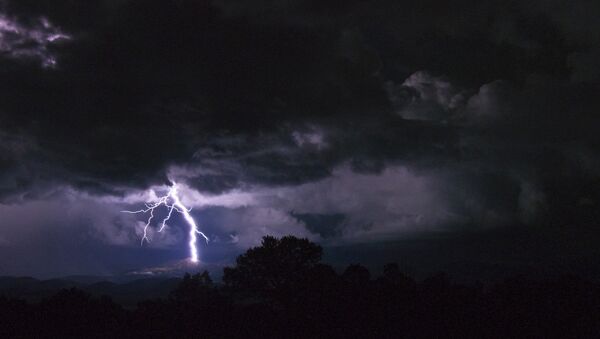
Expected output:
(281, 289)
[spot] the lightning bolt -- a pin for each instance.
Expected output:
(172, 202)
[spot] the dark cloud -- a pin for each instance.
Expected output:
(325, 225)
(145, 85)
(122, 107)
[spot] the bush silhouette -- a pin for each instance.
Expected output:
(280, 289)
(274, 269)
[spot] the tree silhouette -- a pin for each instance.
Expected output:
(394, 278)
(274, 269)
(280, 289)
(192, 287)
(356, 275)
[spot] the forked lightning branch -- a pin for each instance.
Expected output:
(172, 202)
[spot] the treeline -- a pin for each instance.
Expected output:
(280, 289)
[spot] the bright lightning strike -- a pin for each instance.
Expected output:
(172, 202)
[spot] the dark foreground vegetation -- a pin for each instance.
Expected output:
(281, 289)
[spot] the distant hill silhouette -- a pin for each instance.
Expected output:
(125, 293)
(281, 290)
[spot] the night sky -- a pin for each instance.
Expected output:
(461, 136)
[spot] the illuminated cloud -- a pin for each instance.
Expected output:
(33, 41)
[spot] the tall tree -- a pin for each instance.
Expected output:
(275, 268)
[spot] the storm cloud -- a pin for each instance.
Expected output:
(353, 122)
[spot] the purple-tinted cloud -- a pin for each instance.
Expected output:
(32, 41)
